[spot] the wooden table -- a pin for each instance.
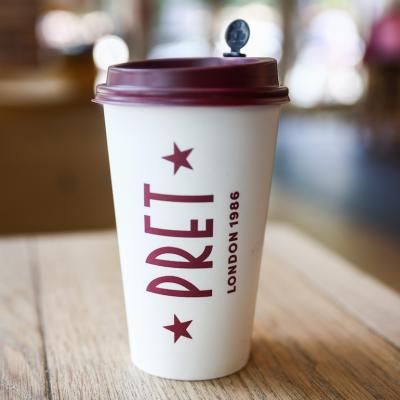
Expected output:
(324, 330)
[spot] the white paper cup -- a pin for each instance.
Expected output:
(191, 186)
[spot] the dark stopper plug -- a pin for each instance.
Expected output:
(236, 36)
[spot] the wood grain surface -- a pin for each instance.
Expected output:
(22, 358)
(376, 305)
(323, 329)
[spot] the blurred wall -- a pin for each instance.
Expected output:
(54, 169)
(18, 45)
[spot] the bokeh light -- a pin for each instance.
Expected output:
(327, 67)
(183, 31)
(62, 30)
(334, 35)
(108, 50)
(307, 83)
(345, 85)
(184, 48)
(96, 24)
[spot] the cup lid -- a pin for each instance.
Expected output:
(194, 81)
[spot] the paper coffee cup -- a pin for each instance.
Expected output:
(191, 146)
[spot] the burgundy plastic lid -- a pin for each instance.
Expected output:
(194, 81)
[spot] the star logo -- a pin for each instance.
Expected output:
(179, 158)
(179, 328)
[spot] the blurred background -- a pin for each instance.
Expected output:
(337, 173)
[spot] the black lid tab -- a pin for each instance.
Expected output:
(236, 36)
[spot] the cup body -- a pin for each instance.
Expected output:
(191, 187)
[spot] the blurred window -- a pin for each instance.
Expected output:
(322, 52)
(183, 29)
(329, 47)
(319, 43)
